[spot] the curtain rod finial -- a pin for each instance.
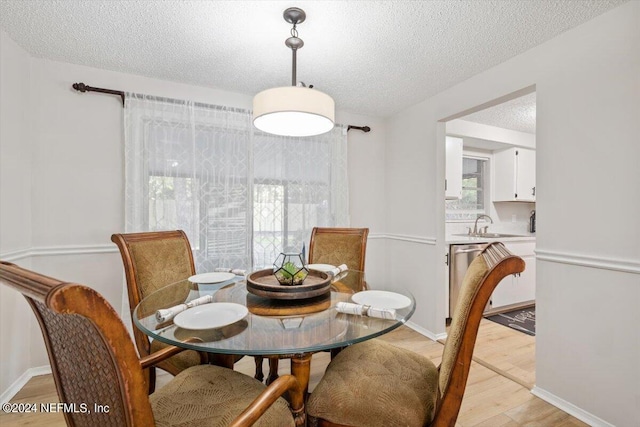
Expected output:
(81, 87)
(364, 129)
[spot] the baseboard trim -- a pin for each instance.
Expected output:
(625, 266)
(58, 250)
(22, 380)
(570, 408)
(427, 333)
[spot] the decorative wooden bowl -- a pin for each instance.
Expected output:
(264, 284)
(282, 307)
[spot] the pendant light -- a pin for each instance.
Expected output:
(293, 110)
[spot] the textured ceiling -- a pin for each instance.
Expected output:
(373, 57)
(518, 114)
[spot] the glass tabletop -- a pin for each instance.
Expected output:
(270, 327)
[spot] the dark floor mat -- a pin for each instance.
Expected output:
(523, 320)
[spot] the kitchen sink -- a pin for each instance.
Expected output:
(489, 235)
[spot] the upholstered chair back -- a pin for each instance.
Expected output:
(338, 246)
(483, 275)
(153, 260)
(472, 281)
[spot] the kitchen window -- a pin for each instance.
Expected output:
(474, 191)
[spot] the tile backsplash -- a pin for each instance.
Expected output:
(508, 218)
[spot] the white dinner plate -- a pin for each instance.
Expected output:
(209, 316)
(321, 267)
(216, 277)
(381, 299)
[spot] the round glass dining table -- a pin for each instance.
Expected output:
(293, 329)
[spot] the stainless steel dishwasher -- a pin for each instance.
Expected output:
(460, 256)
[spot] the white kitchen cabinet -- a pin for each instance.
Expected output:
(453, 173)
(519, 288)
(514, 175)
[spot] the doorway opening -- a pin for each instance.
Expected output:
(491, 196)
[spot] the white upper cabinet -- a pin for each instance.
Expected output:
(453, 181)
(515, 175)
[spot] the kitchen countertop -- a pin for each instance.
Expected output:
(461, 240)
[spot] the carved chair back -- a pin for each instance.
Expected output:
(153, 260)
(92, 357)
(493, 264)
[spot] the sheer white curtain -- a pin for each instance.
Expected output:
(241, 196)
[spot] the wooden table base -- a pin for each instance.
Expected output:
(301, 369)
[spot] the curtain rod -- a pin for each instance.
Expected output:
(81, 87)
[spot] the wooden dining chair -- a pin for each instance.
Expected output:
(95, 367)
(336, 246)
(377, 384)
(153, 260)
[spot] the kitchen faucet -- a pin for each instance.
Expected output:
(475, 225)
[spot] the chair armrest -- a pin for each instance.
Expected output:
(276, 389)
(167, 352)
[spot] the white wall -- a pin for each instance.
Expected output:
(587, 90)
(15, 203)
(366, 189)
(588, 203)
(62, 183)
(16, 147)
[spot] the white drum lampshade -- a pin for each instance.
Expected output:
(293, 111)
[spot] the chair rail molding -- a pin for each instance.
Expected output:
(603, 263)
(404, 238)
(58, 250)
(108, 248)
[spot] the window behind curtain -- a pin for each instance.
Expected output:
(241, 196)
(474, 191)
(198, 181)
(291, 193)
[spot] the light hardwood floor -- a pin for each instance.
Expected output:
(507, 351)
(497, 393)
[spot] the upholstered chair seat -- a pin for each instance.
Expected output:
(395, 384)
(212, 396)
